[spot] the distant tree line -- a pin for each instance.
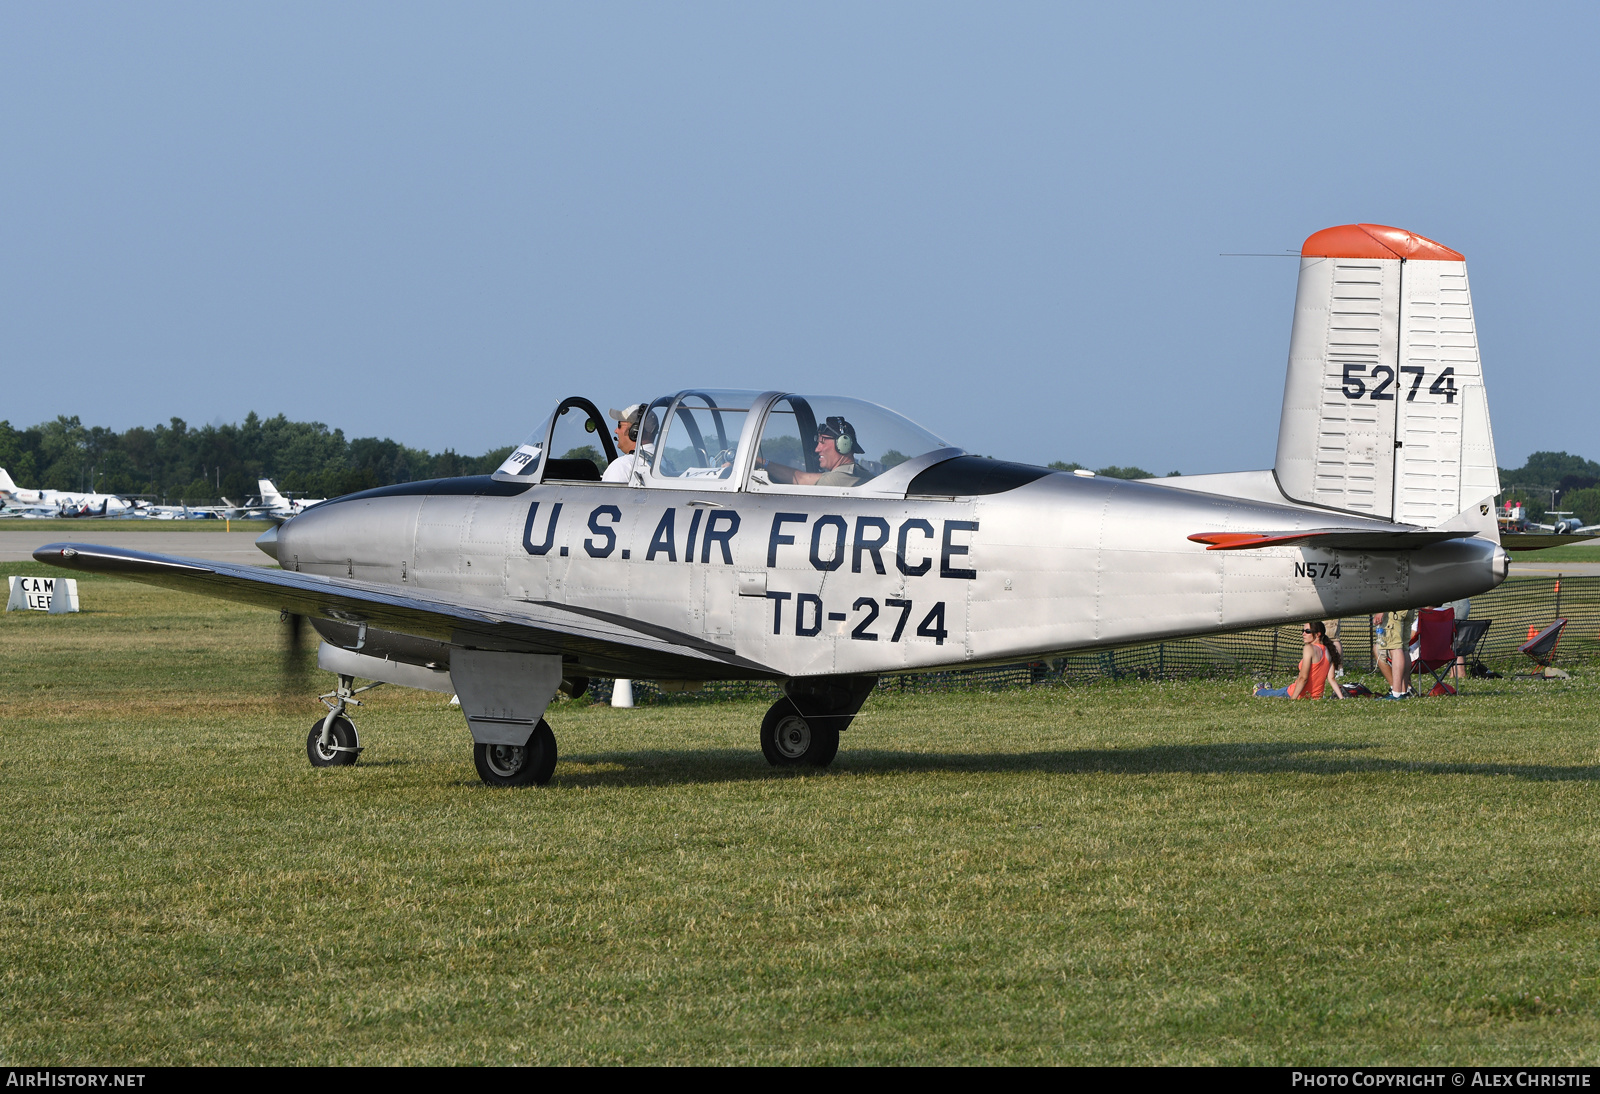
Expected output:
(1555, 480)
(1112, 472)
(176, 462)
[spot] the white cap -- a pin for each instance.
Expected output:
(631, 414)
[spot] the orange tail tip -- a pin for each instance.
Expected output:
(1375, 241)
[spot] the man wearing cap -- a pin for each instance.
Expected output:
(630, 421)
(837, 449)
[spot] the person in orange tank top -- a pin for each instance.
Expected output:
(1317, 660)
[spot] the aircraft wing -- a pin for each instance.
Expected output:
(601, 643)
(1333, 539)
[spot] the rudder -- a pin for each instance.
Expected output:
(1384, 408)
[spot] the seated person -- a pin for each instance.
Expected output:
(837, 449)
(634, 455)
(1315, 661)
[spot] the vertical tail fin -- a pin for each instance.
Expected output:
(7, 487)
(1384, 408)
(269, 493)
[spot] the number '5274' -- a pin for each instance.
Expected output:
(1383, 385)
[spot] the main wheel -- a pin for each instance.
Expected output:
(518, 765)
(340, 751)
(790, 739)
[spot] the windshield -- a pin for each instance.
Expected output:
(701, 436)
(827, 440)
(580, 447)
(525, 460)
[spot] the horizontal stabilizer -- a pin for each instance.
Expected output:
(1538, 541)
(1332, 539)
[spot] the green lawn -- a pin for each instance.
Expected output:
(1572, 552)
(1120, 872)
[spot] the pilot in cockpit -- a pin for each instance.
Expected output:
(632, 423)
(837, 454)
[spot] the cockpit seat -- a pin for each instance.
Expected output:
(572, 471)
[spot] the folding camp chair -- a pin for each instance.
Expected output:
(1468, 637)
(1436, 654)
(1542, 648)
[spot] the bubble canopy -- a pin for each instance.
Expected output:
(730, 439)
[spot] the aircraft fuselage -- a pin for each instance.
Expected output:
(814, 584)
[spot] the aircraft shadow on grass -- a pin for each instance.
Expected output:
(663, 767)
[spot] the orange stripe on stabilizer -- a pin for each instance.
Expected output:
(1375, 241)
(1240, 541)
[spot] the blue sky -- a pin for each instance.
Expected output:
(431, 222)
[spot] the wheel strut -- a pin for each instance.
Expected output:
(336, 701)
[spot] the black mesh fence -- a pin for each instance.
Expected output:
(1519, 608)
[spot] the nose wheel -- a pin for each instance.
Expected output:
(332, 741)
(332, 745)
(790, 739)
(531, 764)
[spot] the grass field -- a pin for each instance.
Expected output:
(1145, 872)
(1572, 552)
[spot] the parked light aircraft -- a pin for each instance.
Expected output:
(59, 502)
(1565, 523)
(1528, 535)
(268, 505)
(823, 542)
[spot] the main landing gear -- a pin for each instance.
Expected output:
(790, 739)
(332, 741)
(531, 764)
(802, 729)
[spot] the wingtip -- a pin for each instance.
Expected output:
(55, 554)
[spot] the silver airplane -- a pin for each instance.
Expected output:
(268, 504)
(822, 542)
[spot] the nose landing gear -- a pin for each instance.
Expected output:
(332, 741)
(332, 745)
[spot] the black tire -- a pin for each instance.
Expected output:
(531, 764)
(790, 739)
(342, 738)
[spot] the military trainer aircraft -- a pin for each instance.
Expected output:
(822, 541)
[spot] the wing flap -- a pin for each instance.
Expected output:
(602, 644)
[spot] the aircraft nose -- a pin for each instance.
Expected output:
(268, 542)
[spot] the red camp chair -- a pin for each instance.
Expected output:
(1436, 652)
(1542, 648)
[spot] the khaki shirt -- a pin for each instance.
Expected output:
(846, 474)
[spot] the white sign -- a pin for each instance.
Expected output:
(43, 594)
(524, 461)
